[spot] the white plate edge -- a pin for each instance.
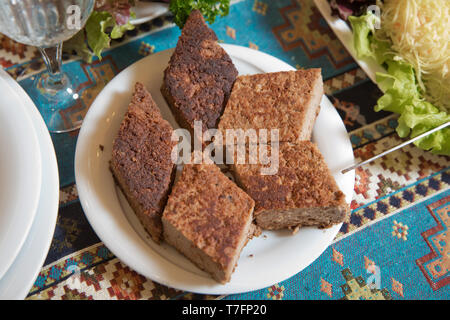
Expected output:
(51, 199)
(34, 202)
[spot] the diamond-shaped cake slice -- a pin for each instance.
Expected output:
(208, 219)
(199, 77)
(141, 160)
(302, 192)
(288, 101)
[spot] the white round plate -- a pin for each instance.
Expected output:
(275, 257)
(18, 280)
(20, 172)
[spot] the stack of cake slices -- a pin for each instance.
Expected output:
(203, 214)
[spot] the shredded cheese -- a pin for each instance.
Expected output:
(420, 34)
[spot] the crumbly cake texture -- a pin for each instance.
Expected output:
(288, 101)
(302, 193)
(199, 77)
(208, 218)
(141, 160)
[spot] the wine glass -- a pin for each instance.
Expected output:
(46, 24)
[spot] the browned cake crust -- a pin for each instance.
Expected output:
(141, 160)
(200, 75)
(302, 193)
(288, 101)
(208, 219)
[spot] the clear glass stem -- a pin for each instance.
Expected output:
(52, 58)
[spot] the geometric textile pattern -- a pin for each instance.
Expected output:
(357, 289)
(305, 27)
(435, 266)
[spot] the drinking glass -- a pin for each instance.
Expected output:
(46, 24)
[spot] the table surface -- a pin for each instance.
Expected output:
(397, 233)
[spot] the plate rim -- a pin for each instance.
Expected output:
(160, 8)
(42, 229)
(28, 213)
(84, 189)
(345, 35)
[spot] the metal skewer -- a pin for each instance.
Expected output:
(442, 126)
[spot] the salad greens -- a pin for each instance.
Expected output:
(110, 20)
(346, 8)
(209, 8)
(402, 93)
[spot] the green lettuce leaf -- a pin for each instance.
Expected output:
(363, 27)
(79, 45)
(119, 30)
(381, 50)
(402, 94)
(96, 27)
(96, 36)
(210, 9)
